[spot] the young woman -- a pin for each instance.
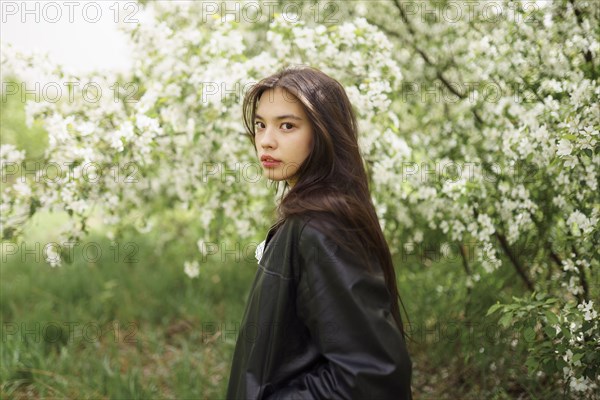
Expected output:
(322, 320)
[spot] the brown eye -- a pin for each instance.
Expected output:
(287, 123)
(256, 124)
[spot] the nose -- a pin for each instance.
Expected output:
(267, 139)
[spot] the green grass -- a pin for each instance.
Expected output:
(165, 343)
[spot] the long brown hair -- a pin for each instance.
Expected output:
(332, 182)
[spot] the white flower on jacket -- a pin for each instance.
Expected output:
(259, 250)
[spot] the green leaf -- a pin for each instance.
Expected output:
(551, 317)
(551, 332)
(494, 308)
(506, 320)
(539, 296)
(529, 334)
(532, 364)
(549, 367)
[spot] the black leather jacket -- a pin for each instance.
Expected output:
(317, 326)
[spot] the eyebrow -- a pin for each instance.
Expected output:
(287, 116)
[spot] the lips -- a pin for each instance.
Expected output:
(268, 158)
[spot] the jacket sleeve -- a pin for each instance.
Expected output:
(346, 310)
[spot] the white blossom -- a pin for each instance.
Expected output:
(564, 147)
(191, 268)
(587, 308)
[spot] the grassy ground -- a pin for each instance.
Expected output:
(115, 330)
(109, 329)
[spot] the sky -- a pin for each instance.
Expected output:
(82, 35)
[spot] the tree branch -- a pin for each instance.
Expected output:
(515, 261)
(582, 278)
(588, 54)
(439, 74)
(467, 268)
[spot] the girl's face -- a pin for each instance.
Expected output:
(283, 133)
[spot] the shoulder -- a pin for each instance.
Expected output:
(316, 233)
(312, 226)
(320, 241)
(301, 235)
(328, 229)
(310, 223)
(325, 240)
